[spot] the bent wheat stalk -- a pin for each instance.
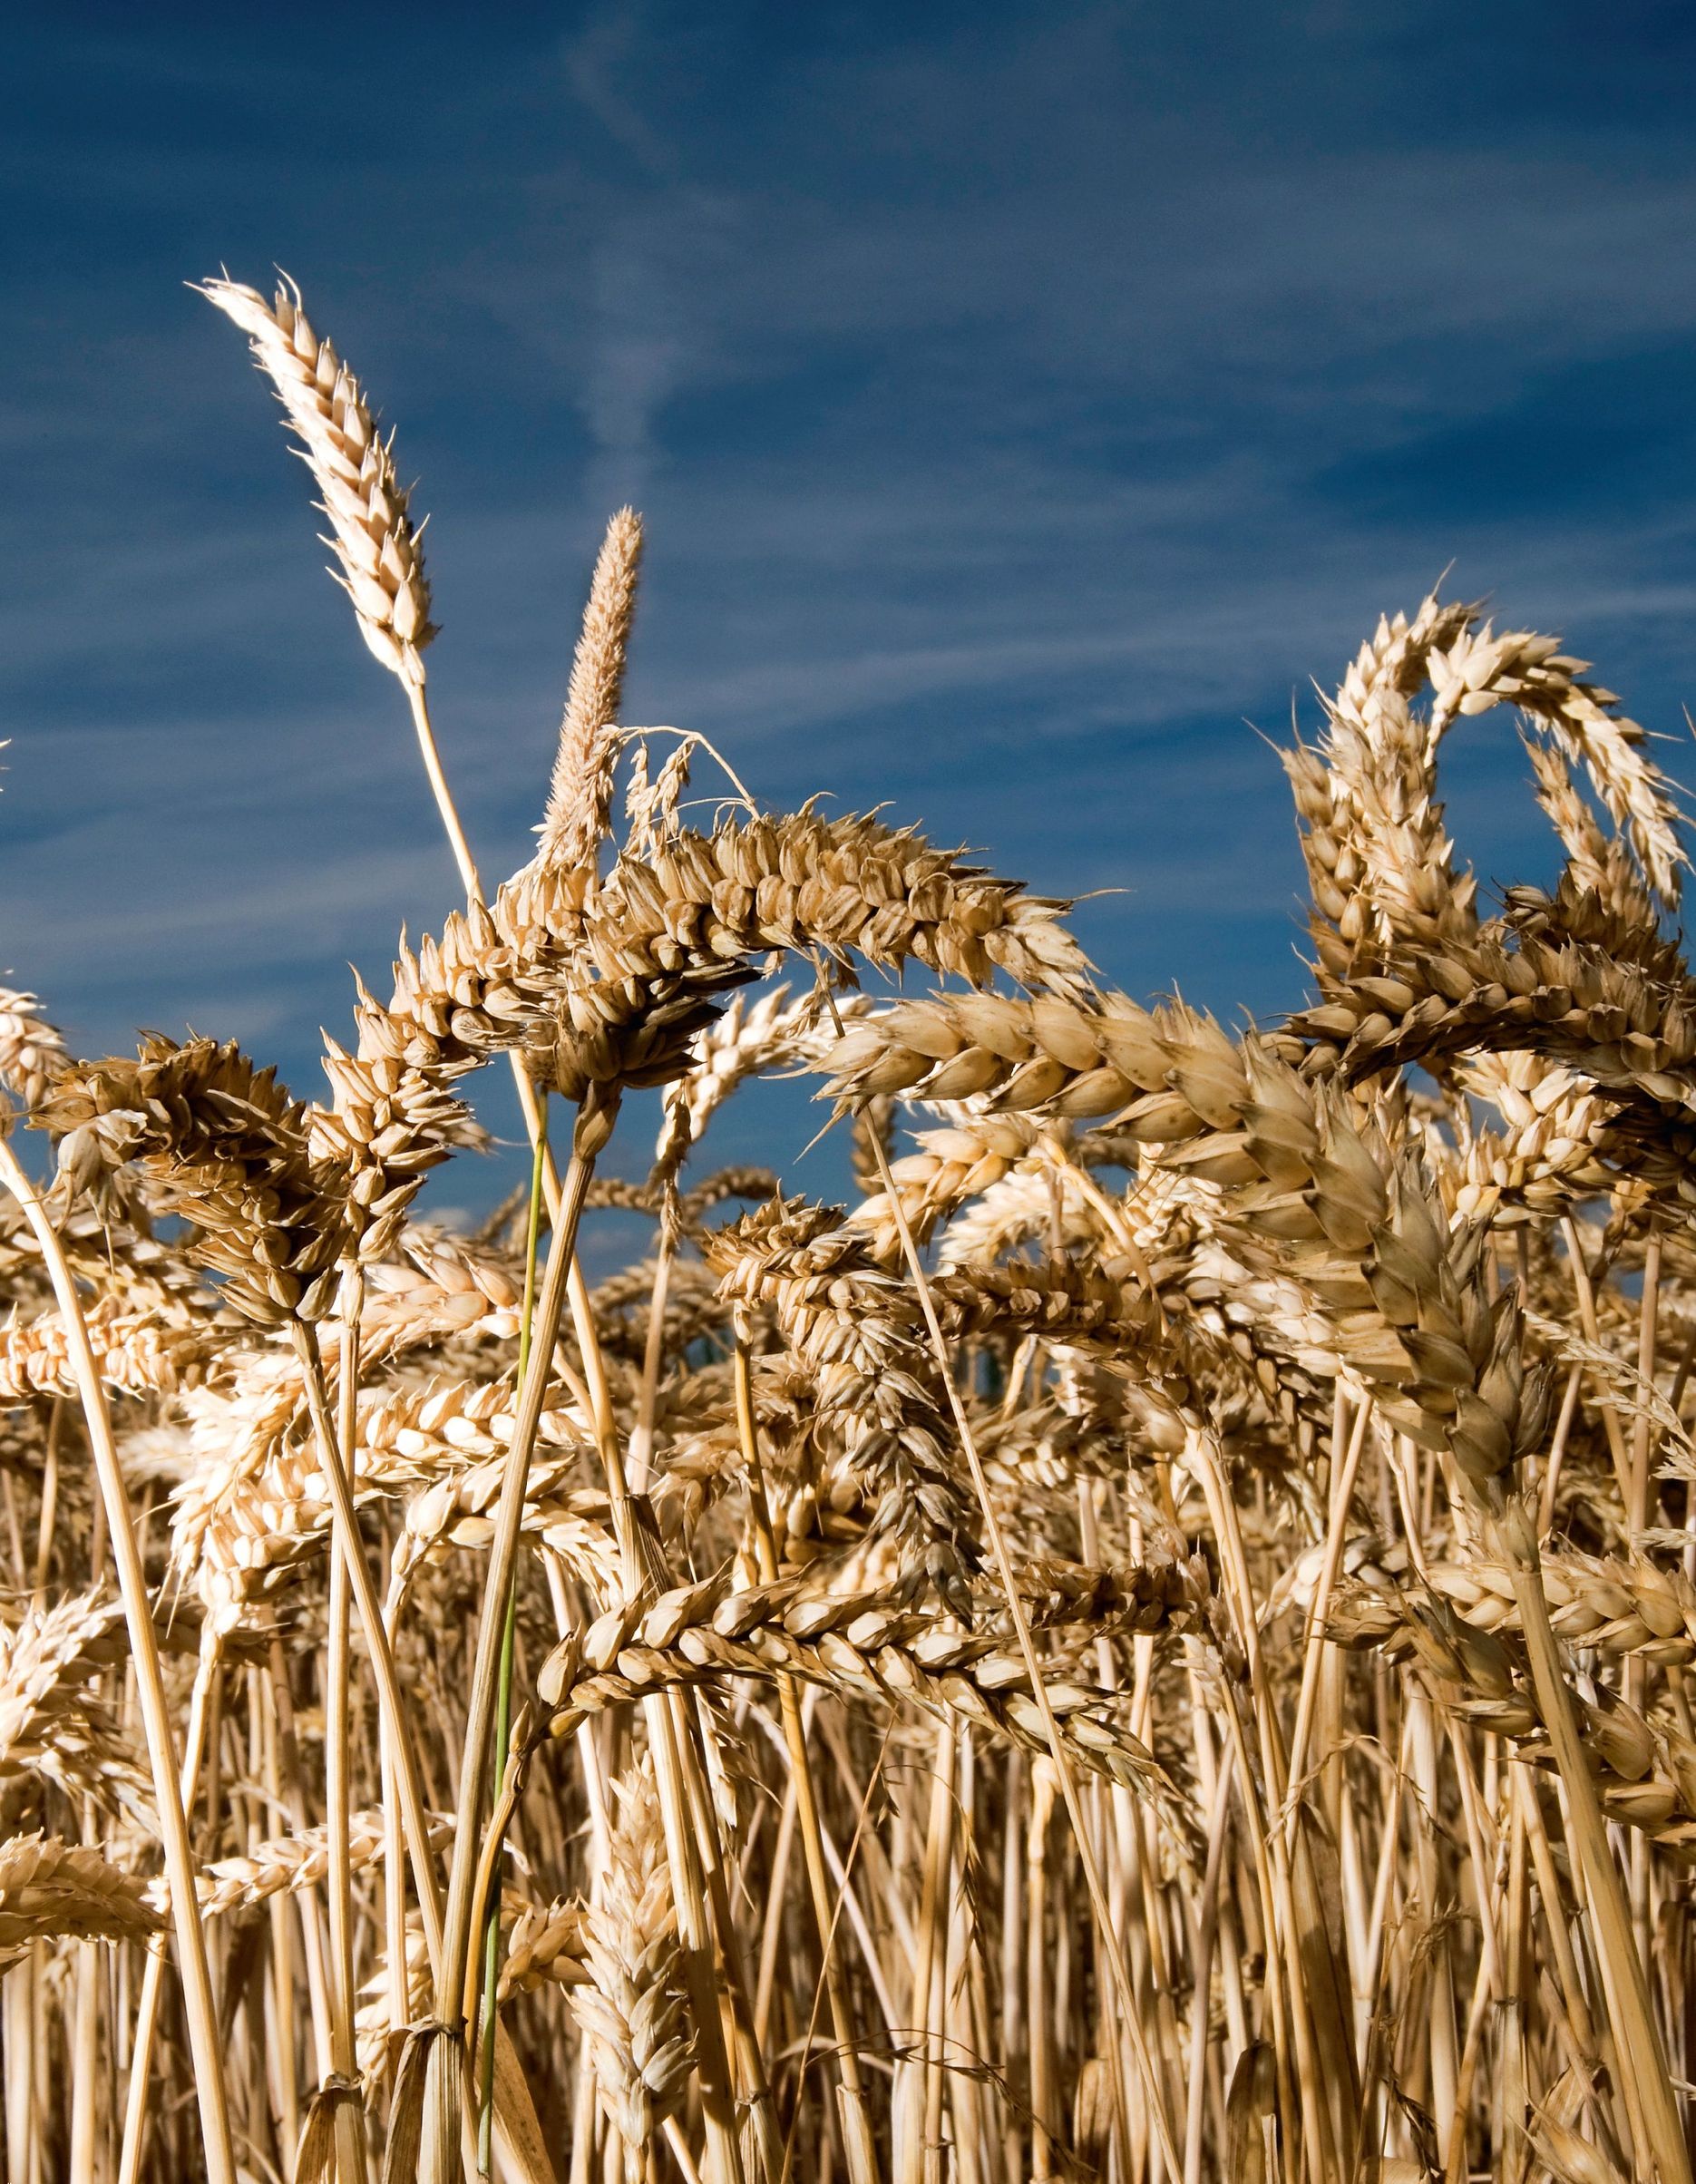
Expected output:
(197, 1986)
(441, 2139)
(1642, 2053)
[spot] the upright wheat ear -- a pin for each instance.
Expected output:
(581, 797)
(382, 564)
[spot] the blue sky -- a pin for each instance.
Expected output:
(1022, 401)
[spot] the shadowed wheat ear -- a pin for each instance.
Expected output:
(579, 799)
(50, 1889)
(374, 539)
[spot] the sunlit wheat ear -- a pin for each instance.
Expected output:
(30, 1050)
(373, 537)
(632, 2010)
(581, 797)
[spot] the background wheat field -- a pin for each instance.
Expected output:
(790, 1511)
(1150, 1643)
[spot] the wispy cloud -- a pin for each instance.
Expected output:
(1018, 403)
(610, 47)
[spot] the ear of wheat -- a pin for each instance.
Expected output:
(372, 536)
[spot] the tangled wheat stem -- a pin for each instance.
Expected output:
(352, 1311)
(856, 2124)
(489, 2005)
(347, 2108)
(1623, 1969)
(1313, 1645)
(153, 1971)
(687, 1818)
(1284, 1868)
(197, 1985)
(346, 1525)
(675, 1764)
(442, 2143)
(1153, 2093)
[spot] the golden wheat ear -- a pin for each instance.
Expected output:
(374, 538)
(581, 797)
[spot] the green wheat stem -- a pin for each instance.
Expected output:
(503, 1696)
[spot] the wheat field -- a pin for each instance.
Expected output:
(1151, 1645)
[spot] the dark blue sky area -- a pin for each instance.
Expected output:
(1021, 400)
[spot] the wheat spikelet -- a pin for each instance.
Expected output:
(546, 1943)
(853, 1327)
(139, 1352)
(1104, 1307)
(1617, 1604)
(1645, 1770)
(226, 1148)
(246, 1518)
(1601, 865)
(1550, 1157)
(1038, 1195)
(1171, 1071)
(868, 1646)
(53, 1727)
(963, 1162)
(743, 1042)
(281, 1866)
(1479, 670)
(374, 2019)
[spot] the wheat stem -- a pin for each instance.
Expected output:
(1021, 1628)
(1639, 2036)
(444, 2120)
(503, 1697)
(856, 2125)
